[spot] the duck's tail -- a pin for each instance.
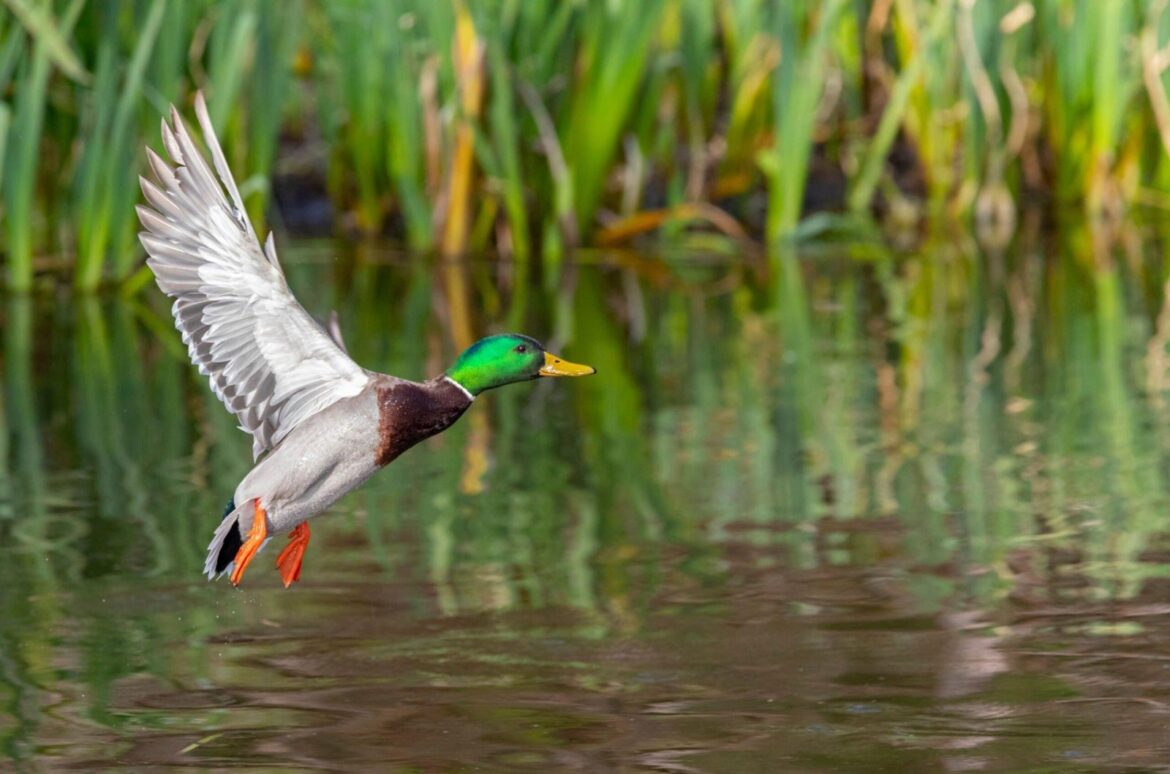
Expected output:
(221, 553)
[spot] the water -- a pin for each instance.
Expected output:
(843, 514)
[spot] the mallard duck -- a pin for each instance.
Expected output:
(320, 423)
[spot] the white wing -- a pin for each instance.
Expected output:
(269, 362)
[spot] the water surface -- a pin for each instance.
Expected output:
(841, 512)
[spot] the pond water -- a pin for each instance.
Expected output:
(841, 511)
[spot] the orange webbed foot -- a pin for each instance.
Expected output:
(256, 538)
(290, 558)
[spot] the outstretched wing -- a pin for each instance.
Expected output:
(269, 362)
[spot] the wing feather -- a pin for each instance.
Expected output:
(269, 362)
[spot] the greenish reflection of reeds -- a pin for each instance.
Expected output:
(980, 412)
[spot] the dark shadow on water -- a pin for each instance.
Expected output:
(854, 514)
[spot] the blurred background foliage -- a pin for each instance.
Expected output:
(524, 128)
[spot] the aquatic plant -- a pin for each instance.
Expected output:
(524, 129)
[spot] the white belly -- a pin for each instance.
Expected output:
(331, 454)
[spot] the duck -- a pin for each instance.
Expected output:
(321, 425)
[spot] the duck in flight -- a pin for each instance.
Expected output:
(320, 423)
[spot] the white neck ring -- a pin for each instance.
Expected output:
(462, 389)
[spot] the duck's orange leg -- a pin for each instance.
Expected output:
(256, 537)
(290, 558)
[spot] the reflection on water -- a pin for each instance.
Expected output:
(831, 513)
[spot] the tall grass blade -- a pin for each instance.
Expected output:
(359, 32)
(796, 92)
(5, 123)
(407, 71)
(866, 180)
(505, 141)
(111, 184)
(231, 44)
(468, 57)
(1111, 91)
(20, 178)
(279, 29)
(44, 29)
(613, 54)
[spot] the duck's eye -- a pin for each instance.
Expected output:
(521, 348)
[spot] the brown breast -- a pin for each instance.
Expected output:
(409, 412)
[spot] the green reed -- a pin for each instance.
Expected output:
(29, 74)
(581, 122)
(797, 88)
(107, 182)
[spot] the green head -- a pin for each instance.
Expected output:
(506, 358)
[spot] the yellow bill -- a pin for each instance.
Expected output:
(554, 366)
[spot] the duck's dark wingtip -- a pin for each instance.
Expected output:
(232, 540)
